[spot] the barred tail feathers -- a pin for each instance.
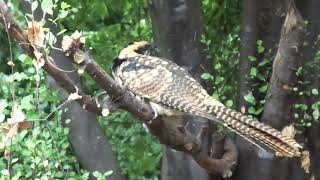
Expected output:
(255, 130)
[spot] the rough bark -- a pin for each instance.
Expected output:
(311, 14)
(88, 141)
(256, 164)
(177, 28)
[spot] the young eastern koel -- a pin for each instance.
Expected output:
(171, 88)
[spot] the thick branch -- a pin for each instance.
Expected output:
(281, 97)
(174, 138)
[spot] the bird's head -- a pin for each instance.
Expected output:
(135, 48)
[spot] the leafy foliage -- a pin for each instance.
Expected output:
(138, 152)
(42, 150)
(108, 29)
(222, 41)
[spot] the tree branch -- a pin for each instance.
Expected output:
(16, 32)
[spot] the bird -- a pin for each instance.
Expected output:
(171, 90)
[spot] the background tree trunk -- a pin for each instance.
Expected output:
(262, 20)
(279, 109)
(311, 14)
(177, 27)
(89, 143)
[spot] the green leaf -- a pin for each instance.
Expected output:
(229, 103)
(250, 99)
(206, 76)
(19, 76)
(5, 172)
(218, 66)
(50, 38)
(315, 91)
(253, 71)
(64, 5)
(47, 6)
(25, 59)
(61, 32)
(308, 124)
(14, 160)
(97, 174)
(2, 117)
(263, 62)
(315, 113)
(259, 111)
(263, 88)
(63, 14)
(261, 49)
(251, 110)
(26, 102)
(108, 173)
(3, 104)
(34, 5)
(252, 58)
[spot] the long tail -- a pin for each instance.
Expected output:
(257, 131)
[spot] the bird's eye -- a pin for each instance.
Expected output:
(144, 50)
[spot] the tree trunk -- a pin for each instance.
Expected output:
(279, 108)
(90, 145)
(177, 27)
(311, 14)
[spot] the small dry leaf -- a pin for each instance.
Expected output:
(243, 109)
(38, 64)
(287, 87)
(188, 146)
(11, 133)
(78, 38)
(66, 43)
(289, 131)
(25, 125)
(37, 54)
(10, 63)
(313, 177)
(4, 127)
(74, 96)
(7, 153)
(305, 161)
(82, 40)
(76, 35)
(279, 154)
(80, 70)
(105, 112)
(35, 33)
(78, 58)
(16, 115)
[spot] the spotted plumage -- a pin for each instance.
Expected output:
(170, 87)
